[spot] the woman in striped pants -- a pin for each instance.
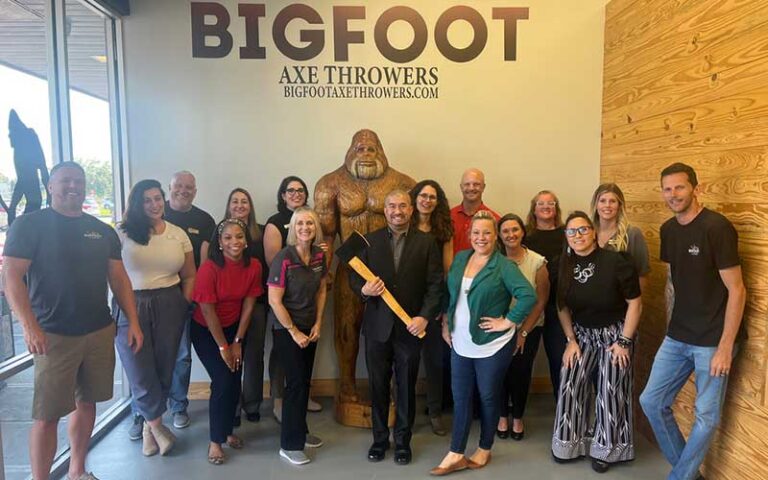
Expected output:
(598, 299)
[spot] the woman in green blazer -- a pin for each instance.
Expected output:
(479, 326)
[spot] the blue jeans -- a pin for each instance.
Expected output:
(488, 374)
(177, 396)
(673, 365)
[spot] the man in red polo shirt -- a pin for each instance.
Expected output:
(472, 187)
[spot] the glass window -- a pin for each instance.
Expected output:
(89, 104)
(27, 151)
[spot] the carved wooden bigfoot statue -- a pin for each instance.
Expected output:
(352, 198)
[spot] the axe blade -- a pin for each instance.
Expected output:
(352, 247)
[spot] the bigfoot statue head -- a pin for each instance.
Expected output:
(365, 158)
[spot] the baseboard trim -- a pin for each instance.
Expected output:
(326, 387)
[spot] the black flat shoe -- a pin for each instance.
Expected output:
(253, 417)
(600, 466)
(516, 435)
(502, 433)
(377, 451)
(403, 455)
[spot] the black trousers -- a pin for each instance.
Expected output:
(517, 380)
(554, 345)
(225, 384)
(401, 351)
(297, 363)
(436, 353)
(253, 360)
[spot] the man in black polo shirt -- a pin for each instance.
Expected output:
(706, 293)
(57, 264)
(408, 262)
(199, 226)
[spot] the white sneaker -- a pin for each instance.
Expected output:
(296, 457)
(313, 406)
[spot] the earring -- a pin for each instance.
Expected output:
(568, 250)
(222, 248)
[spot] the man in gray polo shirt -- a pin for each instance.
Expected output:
(67, 258)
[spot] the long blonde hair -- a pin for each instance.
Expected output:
(621, 240)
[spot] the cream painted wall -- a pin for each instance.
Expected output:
(529, 124)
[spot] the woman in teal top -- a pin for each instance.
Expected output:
(479, 326)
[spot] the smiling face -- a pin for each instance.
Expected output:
(472, 186)
(482, 236)
(511, 234)
(154, 204)
(678, 193)
(232, 241)
(581, 236)
(398, 211)
(67, 189)
(608, 206)
(426, 200)
(295, 195)
(182, 191)
(545, 208)
(239, 206)
(306, 230)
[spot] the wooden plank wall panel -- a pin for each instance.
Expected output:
(687, 80)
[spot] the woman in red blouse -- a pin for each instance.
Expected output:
(226, 290)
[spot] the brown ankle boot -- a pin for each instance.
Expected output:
(165, 439)
(149, 445)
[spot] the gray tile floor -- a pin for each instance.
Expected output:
(344, 454)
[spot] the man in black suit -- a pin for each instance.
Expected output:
(409, 263)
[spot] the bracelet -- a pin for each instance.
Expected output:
(238, 340)
(624, 342)
(224, 347)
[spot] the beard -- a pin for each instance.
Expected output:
(367, 169)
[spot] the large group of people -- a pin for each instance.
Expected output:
(483, 290)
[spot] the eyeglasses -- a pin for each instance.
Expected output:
(291, 191)
(582, 230)
(546, 204)
(426, 196)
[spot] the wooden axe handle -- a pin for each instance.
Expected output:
(362, 270)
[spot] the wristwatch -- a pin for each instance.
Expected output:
(523, 333)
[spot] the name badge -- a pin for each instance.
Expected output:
(193, 230)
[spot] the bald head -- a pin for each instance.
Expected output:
(182, 189)
(472, 186)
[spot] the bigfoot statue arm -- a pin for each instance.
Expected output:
(326, 206)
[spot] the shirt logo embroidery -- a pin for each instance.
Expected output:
(694, 249)
(193, 231)
(581, 275)
(92, 235)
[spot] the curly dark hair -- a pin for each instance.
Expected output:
(281, 206)
(216, 254)
(567, 262)
(136, 225)
(440, 220)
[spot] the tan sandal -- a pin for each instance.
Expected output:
(235, 442)
(215, 459)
